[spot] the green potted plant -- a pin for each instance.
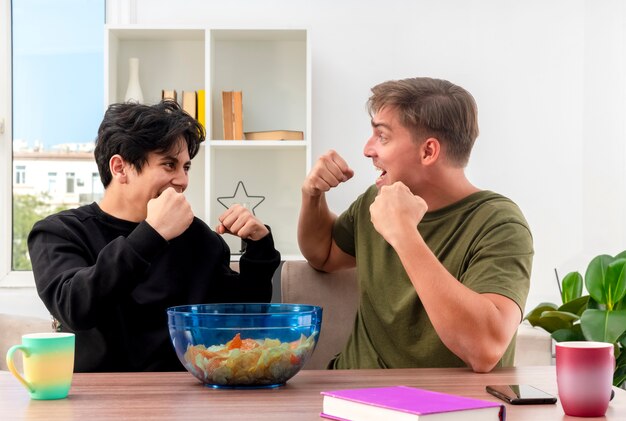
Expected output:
(598, 316)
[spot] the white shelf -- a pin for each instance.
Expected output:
(272, 67)
(226, 144)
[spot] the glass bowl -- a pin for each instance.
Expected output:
(244, 345)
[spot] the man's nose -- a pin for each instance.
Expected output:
(181, 180)
(368, 149)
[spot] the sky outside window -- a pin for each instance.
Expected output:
(58, 71)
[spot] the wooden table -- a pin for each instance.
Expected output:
(179, 396)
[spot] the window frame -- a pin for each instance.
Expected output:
(8, 277)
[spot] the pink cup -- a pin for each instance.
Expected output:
(584, 374)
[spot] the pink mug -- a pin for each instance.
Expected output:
(584, 374)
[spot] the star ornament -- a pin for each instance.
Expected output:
(241, 197)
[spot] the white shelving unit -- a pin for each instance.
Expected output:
(272, 67)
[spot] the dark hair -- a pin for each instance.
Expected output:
(135, 130)
(432, 108)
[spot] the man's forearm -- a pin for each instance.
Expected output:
(476, 327)
(315, 228)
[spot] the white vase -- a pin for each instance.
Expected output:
(133, 91)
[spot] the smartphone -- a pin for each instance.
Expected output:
(520, 394)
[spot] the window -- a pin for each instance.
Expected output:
(20, 174)
(70, 179)
(57, 62)
(96, 184)
(52, 183)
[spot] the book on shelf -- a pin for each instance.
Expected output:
(274, 135)
(189, 103)
(406, 403)
(169, 94)
(227, 114)
(232, 115)
(202, 107)
(237, 115)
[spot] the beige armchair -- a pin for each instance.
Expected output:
(337, 293)
(12, 327)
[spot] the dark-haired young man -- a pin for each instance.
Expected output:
(443, 267)
(109, 271)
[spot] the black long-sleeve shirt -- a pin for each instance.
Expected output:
(110, 282)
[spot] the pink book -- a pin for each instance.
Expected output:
(406, 403)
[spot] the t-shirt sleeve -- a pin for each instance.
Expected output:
(343, 233)
(344, 229)
(501, 262)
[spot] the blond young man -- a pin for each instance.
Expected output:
(443, 266)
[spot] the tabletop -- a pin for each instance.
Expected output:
(174, 396)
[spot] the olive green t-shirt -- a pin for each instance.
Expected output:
(483, 241)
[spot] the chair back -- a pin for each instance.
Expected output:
(338, 295)
(12, 327)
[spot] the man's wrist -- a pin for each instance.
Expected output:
(146, 241)
(261, 248)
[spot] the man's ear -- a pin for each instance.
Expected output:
(119, 168)
(430, 151)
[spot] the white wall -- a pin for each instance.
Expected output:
(548, 76)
